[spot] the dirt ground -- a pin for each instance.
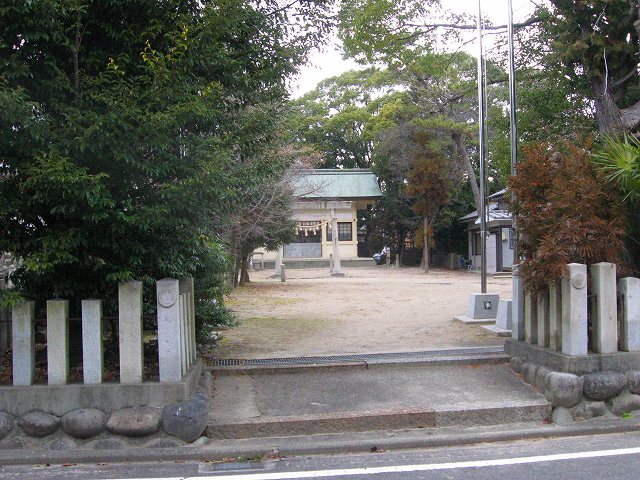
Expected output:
(370, 310)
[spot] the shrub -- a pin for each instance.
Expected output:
(566, 211)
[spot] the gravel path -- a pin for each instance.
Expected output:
(370, 310)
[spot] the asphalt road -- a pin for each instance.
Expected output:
(607, 457)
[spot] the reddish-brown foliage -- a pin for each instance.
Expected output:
(565, 212)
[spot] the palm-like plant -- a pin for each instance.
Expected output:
(619, 158)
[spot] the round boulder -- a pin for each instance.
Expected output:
(561, 416)
(563, 389)
(516, 364)
(6, 424)
(135, 421)
(625, 403)
(186, 420)
(633, 377)
(603, 385)
(586, 410)
(84, 422)
(529, 372)
(107, 444)
(62, 443)
(541, 378)
(38, 424)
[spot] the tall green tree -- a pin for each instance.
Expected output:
(131, 130)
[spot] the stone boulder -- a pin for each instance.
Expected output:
(625, 403)
(633, 377)
(62, 443)
(186, 420)
(38, 424)
(529, 372)
(135, 421)
(563, 389)
(603, 385)
(541, 378)
(6, 424)
(587, 410)
(561, 416)
(84, 422)
(516, 364)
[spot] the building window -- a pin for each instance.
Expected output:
(475, 243)
(344, 232)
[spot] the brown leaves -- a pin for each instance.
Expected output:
(565, 211)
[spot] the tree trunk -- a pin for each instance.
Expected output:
(608, 114)
(466, 162)
(425, 248)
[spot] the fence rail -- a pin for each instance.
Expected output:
(176, 336)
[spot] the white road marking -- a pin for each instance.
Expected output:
(347, 472)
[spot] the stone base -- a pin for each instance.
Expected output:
(483, 306)
(107, 397)
(474, 321)
(578, 365)
(500, 332)
(337, 274)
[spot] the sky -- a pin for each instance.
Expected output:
(329, 62)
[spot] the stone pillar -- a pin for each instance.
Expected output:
(5, 323)
(630, 325)
(542, 309)
(331, 263)
(574, 310)
(24, 353)
(187, 287)
(283, 273)
(604, 308)
(130, 332)
(184, 364)
(530, 318)
(58, 342)
(337, 268)
(555, 317)
(169, 330)
(92, 352)
(279, 257)
(517, 306)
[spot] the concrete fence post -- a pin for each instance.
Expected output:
(58, 342)
(517, 306)
(555, 317)
(187, 287)
(5, 323)
(92, 351)
(130, 332)
(604, 308)
(169, 330)
(530, 318)
(283, 273)
(184, 363)
(24, 354)
(574, 310)
(630, 324)
(542, 309)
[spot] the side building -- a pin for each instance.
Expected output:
(500, 241)
(323, 195)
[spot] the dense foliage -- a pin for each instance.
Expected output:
(134, 131)
(566, 212)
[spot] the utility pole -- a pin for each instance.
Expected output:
(481, 151)
(513, 126)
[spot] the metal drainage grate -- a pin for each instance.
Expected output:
(237, 362)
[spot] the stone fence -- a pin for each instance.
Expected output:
(573, 319)
(578, 342)
(176, 336)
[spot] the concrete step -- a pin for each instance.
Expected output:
(391, 398)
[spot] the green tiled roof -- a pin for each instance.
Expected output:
(348, 184)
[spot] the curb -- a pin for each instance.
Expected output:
(325, 444)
